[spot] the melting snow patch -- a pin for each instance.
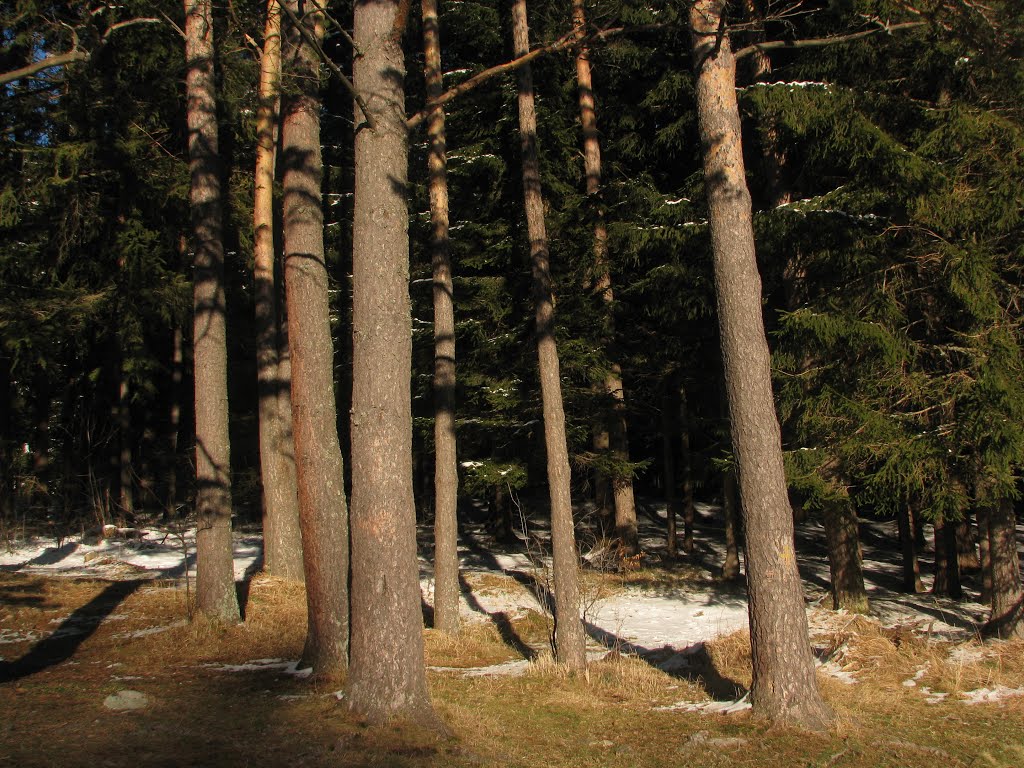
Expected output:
(508, 668)
(720, 707)
(990, 695)
(933, 697)
(263, 665)
(911, 682)
(150, 631)
(832, 669)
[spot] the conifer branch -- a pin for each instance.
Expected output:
(821, 42)
(72, 56)
(565, 41)
(335, 69)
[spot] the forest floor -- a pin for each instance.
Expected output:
(89, 629)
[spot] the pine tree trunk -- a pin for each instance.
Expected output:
(215, 579)
(282, 536)
(947, 570)
(731, 509)
(174, 419)
(911, 566)
(985, 552)
(844, 557)
(669, 437)
(689, 511)
(387, 677)
(784, 688)
(570, 644)
(446, 477)
(966, 545)
(6, 480)
(323, 516)
(124, 429)
(615, 434)
(1007, 619)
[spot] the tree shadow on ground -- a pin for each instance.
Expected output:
(72, 632)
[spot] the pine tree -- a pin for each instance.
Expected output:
(323, 514)
(387, 676)
(570, 643)
(446, 479)
(784, 687)
(282, 538)
(215, 580)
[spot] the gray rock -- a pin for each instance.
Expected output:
(124, 701)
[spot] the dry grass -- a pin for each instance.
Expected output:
(203, 715)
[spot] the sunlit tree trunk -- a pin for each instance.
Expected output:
(215, 579)
(784, 688)
(387, 676)
(282, 537)
(570, 644)
(323, 515)
(446, 478)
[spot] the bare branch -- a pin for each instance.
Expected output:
(73, 56)
(335, 69)
(57, 60)
(821, 42)
(565, 41)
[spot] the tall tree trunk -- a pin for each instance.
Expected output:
(966, 545)
(911, 566)
(282, 536)
(844, 557)
(947, 570)
(570, 643)
(124, 434)
(174, 417)
(215, 580)
(323, 515)
(446, 477)
(387, 677)
(669, 438)
(733, 526)
(784, 688)
(689, 511)
(985, 552)
(42, 401)
(615, 432)
(1007, 619)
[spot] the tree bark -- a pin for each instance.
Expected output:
(985, 552)
(733, 527)
(911, 566)
(174, 417)
(124, 428)
(323, 515)
(446, 477)
(613, 433)
(215, 579)
(570, 644)
(1007, 619)
(282, 536)
(689, 511)
(784, 688)
(947, 570)
(669, 437)
(387, 677)
(844, 557)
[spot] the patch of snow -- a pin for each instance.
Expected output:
(990, 695)
(265, 665)
(933, 697)
(716, 707)
(150, 630)
(515, 668)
